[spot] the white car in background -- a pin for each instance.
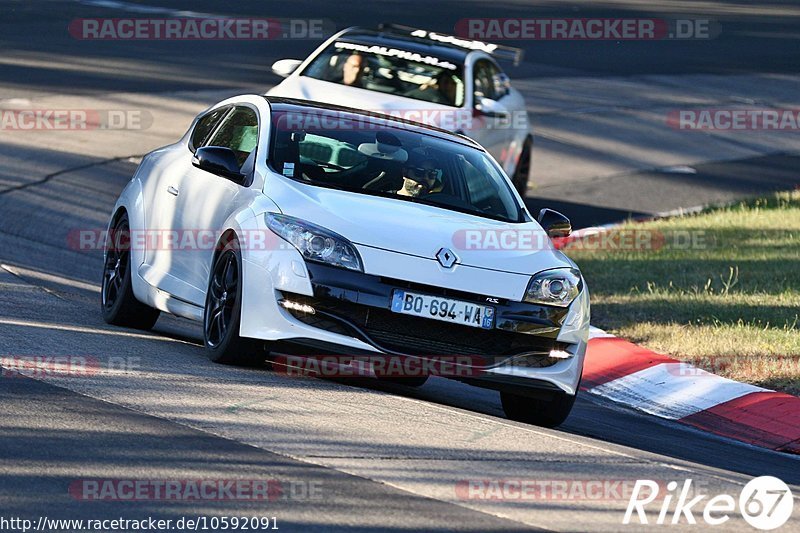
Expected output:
(449, 82)
(303, 228)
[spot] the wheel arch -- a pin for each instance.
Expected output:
(131, 203)
(117, 215)
(227, 236)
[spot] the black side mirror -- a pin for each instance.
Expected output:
(218, 160)
(554, 223)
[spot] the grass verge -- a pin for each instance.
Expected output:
(720, 289)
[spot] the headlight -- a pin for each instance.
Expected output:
(558, 286)
(315, 243)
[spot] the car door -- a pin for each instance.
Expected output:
(516, 128)
(161, 204)
(205, 201)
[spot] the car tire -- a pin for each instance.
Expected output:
(523, 169)
(117, 301)
(222, 313)
(547, 413)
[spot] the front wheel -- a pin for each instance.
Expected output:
(117, 301)
(523, 170)
(223, 310)
(547, 413)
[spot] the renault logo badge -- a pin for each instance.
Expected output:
(446, 257)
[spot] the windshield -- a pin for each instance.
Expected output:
(390, 70)
(368, 156)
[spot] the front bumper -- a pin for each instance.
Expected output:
(514, 355)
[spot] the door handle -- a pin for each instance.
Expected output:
(172, 190)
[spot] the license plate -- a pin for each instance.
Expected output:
(444, 309)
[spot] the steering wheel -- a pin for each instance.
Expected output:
(372, 185)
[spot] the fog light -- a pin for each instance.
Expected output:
(294, 306)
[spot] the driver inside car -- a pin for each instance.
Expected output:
(353, 70)
(421, 179)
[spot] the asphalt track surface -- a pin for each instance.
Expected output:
(382, 456)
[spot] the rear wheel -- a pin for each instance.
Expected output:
(547, 413)
(118, 303)
(523, 170)
(223, 310)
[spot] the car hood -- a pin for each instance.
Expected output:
(417, 229)
(307, 88)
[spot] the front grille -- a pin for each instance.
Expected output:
(421, 336)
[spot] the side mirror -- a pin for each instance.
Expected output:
(491, 108)
(502, 84)
(284, 67)
(554, 223)
(218, 160)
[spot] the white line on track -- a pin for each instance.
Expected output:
(22, 272)
(90, 331)
(673, 390)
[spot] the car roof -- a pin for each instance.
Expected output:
(389, 38)
(453, 48)
(280, 103)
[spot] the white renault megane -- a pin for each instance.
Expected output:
(305, 228)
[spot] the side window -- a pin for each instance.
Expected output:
(484, 79)
(490, 81)
(239, 132)
(205, 126)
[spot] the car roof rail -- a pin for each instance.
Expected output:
(499, 51)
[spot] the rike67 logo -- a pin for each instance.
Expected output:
(765, 503)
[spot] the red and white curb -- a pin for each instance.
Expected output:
(628, 374)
